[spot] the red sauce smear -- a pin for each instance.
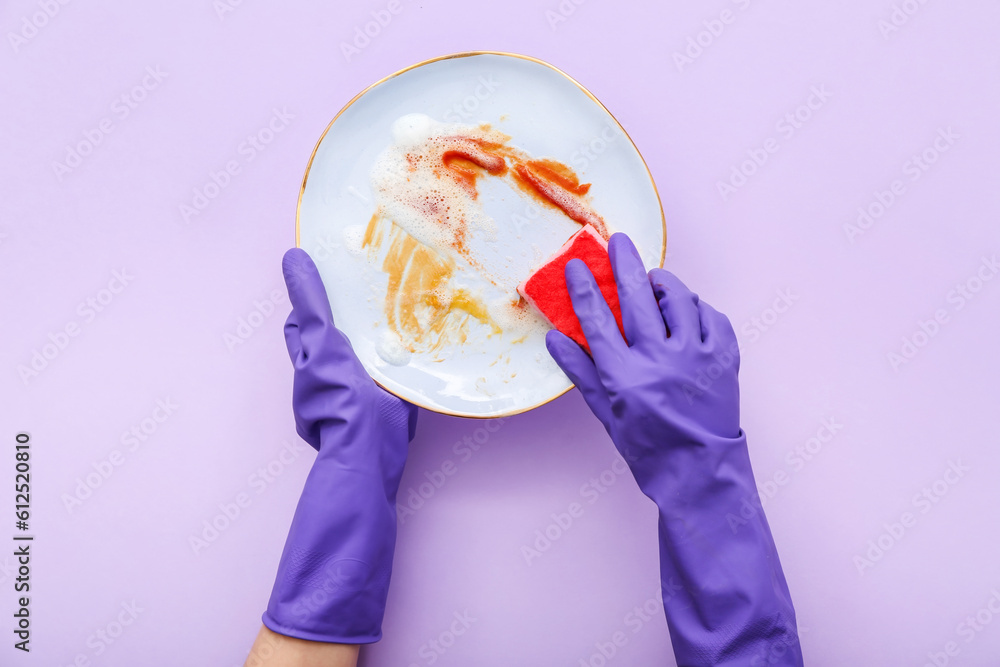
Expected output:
(467, 158)
(474, 151)
(562, 192)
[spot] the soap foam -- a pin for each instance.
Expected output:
(413, 129)
(390, 349)
(416, 191)
(353, 237)
(411, 191)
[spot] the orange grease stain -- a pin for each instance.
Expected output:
(419, 306)
(541, 181)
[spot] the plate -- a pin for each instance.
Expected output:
(431, 309)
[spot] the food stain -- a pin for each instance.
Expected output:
(420, 306)
(427, 189)
(548, 181)
(555, 184)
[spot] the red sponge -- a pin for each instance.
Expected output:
(546, 290)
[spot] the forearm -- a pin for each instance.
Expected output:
(333, 576)
(273, 650)
(669, 398)
(724, 593)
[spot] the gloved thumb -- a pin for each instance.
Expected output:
(580, 369)
(305, 288)
(311, 318)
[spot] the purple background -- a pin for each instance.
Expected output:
(164, 336)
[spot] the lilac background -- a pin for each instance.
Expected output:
(826, 356)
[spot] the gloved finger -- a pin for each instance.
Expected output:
(598, 323)
(641, 316)
(717, 332)
(411, 422)
(678, 305)
(305, 288)
(396, 412)
(576, 364)
(292, 342)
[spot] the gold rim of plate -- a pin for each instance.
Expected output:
(468, 54)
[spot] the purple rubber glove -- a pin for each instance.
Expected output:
(333, 577)
(669, 399)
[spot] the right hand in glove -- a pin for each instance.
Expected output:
(669, 398)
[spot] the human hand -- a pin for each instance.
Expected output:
(668, 396)
(330, 385)
(671, 382)
(333, 576)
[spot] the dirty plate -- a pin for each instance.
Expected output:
(437, 190)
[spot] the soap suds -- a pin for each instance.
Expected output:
(449, 277)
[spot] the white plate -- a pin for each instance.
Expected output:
(548, 115)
